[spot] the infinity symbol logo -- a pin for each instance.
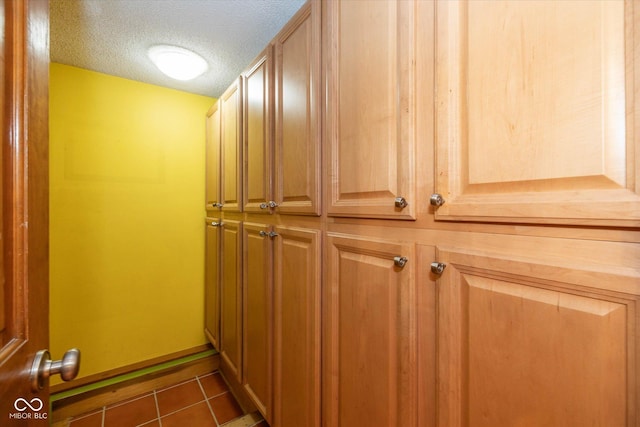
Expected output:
(22, 404)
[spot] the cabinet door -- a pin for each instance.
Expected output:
(524, 343)
(212, 148)
(258, 132)
(231, 297)
(370, 334)
(231, 153)
(257, 315)
(296, 306)
(298, 113)
(537, 111)
(370, 58)
(212, 282)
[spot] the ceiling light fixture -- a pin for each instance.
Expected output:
(176, 62)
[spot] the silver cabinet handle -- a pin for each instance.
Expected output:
(217, 205)
(400, 261)
(401, 202)
(43, 367)
(216, 224)
(263, 206)
(271, 234)
(436, 200)
(437, 267)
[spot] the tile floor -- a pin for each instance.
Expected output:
(204, 401)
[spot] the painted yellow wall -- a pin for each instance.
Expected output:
(126, 218)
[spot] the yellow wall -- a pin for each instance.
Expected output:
(127, 192)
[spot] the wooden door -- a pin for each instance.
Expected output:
(258, 133)
(212, 281)
(537, 111)
(24, 264)
(298, 113)
(257, 315)
(370, 58)
(212, 184)
(369, 350)
(526, 342)
(231, 147)
(231, 297)
(296, 305)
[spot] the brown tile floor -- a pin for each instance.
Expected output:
(204, 401)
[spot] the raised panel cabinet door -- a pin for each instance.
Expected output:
(257, 315)
(258, 133)
(526, 343)
(369, 323)
(231, 147)
(370, 70)
(212, 167)
(231, 297)
(537, 111)
(212, 281)
(296, 304)
(298, 113)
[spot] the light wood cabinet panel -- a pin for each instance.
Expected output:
(257, 315)
(212, 282)
(231, 297)
(370, 59)
(296, 328)
(212, 184)
(231, 147)
(258, 132)
(519, 344)
(369, 348)
(298, 107)
(537, 111)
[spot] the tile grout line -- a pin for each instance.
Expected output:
(155, 399)
(104, 415)
(206, 399)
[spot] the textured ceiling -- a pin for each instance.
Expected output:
(112, 36)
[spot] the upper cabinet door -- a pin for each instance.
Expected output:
(297, 127)
(537, 111)
(258, 132)
(213, 158)
(231, 153)
(370, 56)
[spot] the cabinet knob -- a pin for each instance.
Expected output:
(217, 205)
(272, 204)
(263, 206)
(437, 267)
(216, 224)
(401, 202)
(400, 261)
(271, 234)
(436, 200)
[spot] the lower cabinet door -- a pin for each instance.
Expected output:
(257, 315)
(212, 282)
(523, 344)
(296, 328)
(231, 297)
(370, 329)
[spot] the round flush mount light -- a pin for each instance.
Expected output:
(176, 62)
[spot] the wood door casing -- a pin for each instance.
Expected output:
(519, 345)
(212, 184)
(231, 297)
(212, 281)
(258, 132)
(257, 325)
(296, 304)
(537, 112)
(231, 147)
(370, 58)
(369, 345)
(298, 108)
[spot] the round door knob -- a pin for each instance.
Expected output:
(43, 367)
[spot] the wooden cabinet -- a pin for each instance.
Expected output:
(370, 346)
(258, 133)
(212, 165)
(298, 118)
(212, 281)
(230, 104)
(537, 112)
(369, 62)
(296, 304)
(521, 342)
(257, 315)
(231, 297)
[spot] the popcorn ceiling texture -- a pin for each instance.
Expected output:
(112, 36)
